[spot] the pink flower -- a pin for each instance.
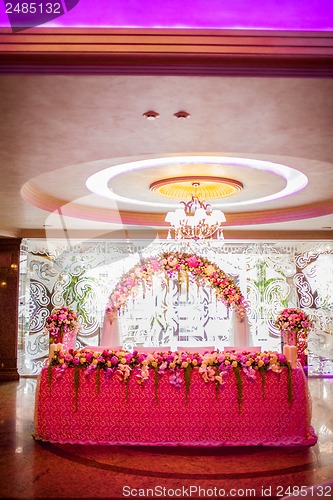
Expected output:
(192, 261)
(128, 358)
(114, 360)
(129, 282)
(155, 264)
(89, 356)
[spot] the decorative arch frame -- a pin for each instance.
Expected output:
(187, 268)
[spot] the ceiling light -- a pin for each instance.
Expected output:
(181, 115)
(211, 187)
(99, 182)
(196, 220)
(151, 115)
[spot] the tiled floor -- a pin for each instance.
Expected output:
(32, 469)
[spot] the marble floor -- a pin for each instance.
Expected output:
(32, 469)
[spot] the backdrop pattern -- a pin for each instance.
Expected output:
(82, 274)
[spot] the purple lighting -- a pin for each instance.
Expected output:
(290, 15)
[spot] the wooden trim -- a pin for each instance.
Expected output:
(151, 233)
(182, 52)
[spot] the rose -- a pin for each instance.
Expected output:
(210, 270)
(172, 261)
(128, 358)
(192, 261)
(155, 264)
(114, 360)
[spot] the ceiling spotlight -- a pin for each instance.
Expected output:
(151, 115)
(181, 115)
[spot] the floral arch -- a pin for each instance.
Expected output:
(186, 268)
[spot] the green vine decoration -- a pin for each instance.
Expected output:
(290, 384)
(70, 295)
(156, 381)
(98, 380)
(262, 372)
(49, 376)
(217, 383)
(76, 385)
(187, 378)
(126, 390)
(262, 284)
(239, 387)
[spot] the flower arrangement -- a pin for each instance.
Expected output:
(60, 322)
(186, 268)
(177, 366)
(291, 322)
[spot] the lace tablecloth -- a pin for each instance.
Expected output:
(114, 415)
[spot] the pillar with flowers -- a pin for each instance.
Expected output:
(62, 325)
(294, 325)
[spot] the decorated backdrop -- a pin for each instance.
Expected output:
(82, 276)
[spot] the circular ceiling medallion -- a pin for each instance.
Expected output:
(203, 186)
(100, 183)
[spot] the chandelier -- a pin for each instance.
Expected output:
(196, 220)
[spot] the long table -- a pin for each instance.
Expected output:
(118, 415)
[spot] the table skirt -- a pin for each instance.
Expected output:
(111, 413)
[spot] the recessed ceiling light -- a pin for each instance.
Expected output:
(151, 115)
(182, 115)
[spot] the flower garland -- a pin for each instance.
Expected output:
(213, 366)
(60, 322)
(186, 268)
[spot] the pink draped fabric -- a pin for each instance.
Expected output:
(110, 333)
(108, 417)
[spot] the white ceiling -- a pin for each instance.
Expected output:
(56, 131)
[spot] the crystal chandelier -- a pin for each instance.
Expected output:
(196, 220)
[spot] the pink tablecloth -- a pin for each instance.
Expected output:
(107, 418)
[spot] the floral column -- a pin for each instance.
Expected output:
(63, 327)
(294, 325)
